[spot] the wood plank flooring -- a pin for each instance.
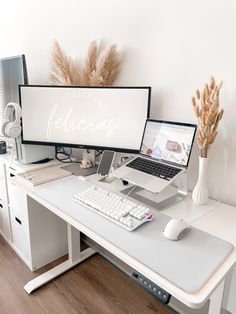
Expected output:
(93, 287)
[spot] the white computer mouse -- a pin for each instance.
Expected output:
(176, 229)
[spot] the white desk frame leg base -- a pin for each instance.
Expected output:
(75, 257)
(219, 299)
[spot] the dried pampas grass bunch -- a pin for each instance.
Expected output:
(63, 69)
(206, 107)
(100, 68)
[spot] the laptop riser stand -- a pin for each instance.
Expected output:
(171, 195)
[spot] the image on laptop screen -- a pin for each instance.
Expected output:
(168, 141)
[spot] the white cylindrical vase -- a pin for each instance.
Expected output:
(200, 191)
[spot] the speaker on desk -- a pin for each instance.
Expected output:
(3, 147)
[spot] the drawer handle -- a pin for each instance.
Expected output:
(18, 220)
(1, 205)
(12, 175)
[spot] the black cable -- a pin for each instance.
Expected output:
(99, 153)
(67, 158)
(64, 160)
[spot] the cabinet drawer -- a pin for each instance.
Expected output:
(5, 220)
(3, 188)
(17, 197)
(20, 233)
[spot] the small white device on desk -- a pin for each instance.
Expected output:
(176, 229)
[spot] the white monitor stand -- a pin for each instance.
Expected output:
(77, 170)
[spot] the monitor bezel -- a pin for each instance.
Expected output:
(171, 123)
(82, 146)
(24, 68)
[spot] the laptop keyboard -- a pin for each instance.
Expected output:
(154, 168)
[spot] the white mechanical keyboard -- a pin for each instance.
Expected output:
(117, 208)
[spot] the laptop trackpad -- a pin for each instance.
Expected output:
(137, 178)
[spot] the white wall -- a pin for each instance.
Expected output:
(172, 45)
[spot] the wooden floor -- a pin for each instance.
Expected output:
(95, 287)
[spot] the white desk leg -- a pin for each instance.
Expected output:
(219, 299)
(73, 236)
(75, 257)
(225, 299)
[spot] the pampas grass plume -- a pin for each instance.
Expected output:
(100, 68)
(206, 108)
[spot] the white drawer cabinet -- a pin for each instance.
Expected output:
(19, 218)
(35, 246)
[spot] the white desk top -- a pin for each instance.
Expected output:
(213, 222)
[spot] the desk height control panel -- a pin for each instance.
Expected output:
(151, 287)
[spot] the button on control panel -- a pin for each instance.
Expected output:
(151, 287)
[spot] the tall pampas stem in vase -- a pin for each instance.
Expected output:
(206, 107)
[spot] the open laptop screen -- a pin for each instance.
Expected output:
(168, 141)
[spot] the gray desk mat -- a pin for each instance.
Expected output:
(187, 263)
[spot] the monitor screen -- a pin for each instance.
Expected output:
(168, 141)
(85, 117)
(12, 74)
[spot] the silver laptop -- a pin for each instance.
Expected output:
(164, 155)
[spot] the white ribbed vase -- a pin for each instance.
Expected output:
(200, 192)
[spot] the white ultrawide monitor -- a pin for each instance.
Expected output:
(86, 117)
